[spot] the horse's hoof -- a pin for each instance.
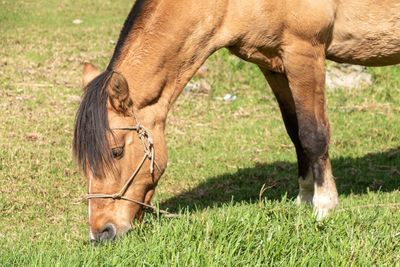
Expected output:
(324, 205)
(321, 213)
(304, 197)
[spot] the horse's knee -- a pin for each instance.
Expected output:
(314, 139)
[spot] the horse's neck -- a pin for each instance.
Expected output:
(165, 48)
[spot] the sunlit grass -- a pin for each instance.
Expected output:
(221, 154)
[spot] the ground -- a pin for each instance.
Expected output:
(221, 154)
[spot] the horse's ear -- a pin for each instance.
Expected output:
(90, 72)
(118, 93)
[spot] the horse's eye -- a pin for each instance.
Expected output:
(117, 152)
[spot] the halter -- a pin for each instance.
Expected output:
(148, 147)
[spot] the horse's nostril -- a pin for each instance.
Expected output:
(108, 233)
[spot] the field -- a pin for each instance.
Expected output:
(220, 156)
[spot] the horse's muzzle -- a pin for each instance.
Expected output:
(108, 233)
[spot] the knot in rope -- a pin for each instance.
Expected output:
(116, 196)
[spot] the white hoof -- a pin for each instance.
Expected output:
(306, 187)
(321, 213)
(323, 205)
(304, 197)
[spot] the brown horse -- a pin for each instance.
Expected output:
(119, 137)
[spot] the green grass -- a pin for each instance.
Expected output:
(220, 156)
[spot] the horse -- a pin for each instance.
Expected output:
(119, 141)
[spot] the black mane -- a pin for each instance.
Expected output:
(90, 145)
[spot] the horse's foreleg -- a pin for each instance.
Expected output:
(305, 70)
(280, 86)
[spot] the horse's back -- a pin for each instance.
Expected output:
(366, 32)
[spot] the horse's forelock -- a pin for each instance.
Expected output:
(90, 144)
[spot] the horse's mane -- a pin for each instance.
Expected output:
(90, 145)
(126, 29)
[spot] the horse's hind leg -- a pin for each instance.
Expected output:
(280, 86)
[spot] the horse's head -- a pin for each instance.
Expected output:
(115, 152)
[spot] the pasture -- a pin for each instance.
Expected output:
(221, 155)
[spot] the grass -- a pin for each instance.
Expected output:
(220, 153)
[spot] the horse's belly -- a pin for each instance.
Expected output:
(375, 50)
(366, 32)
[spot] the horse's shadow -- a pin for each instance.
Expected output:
(372, 172)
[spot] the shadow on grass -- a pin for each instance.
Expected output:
(373, 172)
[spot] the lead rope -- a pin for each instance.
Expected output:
(148, 147)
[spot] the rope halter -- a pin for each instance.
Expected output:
(148, 148)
